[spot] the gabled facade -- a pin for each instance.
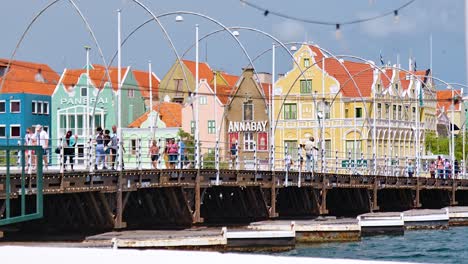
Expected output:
(339, 103)
(246, 121)
(448, 100)
(69, 107)
(179, 81)
(24, 99)
(211, 109)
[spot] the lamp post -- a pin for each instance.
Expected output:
(197, 125)
(86, 113)
(150, 75)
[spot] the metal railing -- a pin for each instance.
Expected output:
(29, 159)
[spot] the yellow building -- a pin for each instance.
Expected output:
(338, 111)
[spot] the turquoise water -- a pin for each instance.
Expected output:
(434, 246)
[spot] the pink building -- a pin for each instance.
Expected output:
(210, 116)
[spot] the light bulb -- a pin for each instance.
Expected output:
(338, 32)
(396, 16)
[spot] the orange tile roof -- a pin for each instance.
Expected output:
(230, 79)
(98, 76)
(143, 80)
(362, 72)
(223, 92)
(386, 77)
(204, 70)
(21, 78)
(318, 54)
(170, 113)
(444, 99)
(420, 75)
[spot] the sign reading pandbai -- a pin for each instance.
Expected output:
(82, 100)
(247, 126)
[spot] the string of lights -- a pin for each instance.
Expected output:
(395, 12)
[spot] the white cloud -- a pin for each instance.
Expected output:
(289, 31)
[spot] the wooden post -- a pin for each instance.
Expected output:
(375, 205)
(453, 199)
(417, 203)
(323, 204)
(197, 215)
(273, 213)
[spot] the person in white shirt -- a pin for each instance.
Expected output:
(309, 148)
(42, 138)
(28, 142)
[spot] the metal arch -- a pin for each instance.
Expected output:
(34, 20)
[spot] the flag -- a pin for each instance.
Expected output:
(381, 59)
(414, 64)
(421, 102)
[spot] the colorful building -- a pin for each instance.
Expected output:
(246, 122)
(69, 103)
(24, 98)
(451, 108)
(338, 111)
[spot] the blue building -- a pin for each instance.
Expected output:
(24, 98)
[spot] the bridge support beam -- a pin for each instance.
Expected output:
(273, 213)
(118, 222)
(453, 198)
(197, 214)
(375, 205)
(323, 202)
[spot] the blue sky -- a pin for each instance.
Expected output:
(58, 37)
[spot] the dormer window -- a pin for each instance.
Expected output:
(306, 62)
(2, 70)
(84, 91)
(396, 86)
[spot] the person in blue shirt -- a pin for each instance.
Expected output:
(69, 149)
(181, 152)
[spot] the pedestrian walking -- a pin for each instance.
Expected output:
(288, 162)
(448, 169)
(154, 154)
(28, 142)
(410, 169)
(440, 167)
(432, 169)
(100, 154)
(456, 167)
(69, 149)
(42, 139)
(172, 151)
(309, 150)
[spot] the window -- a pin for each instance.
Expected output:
(247, 111)
(291, 148)
(249, 141)
(358, 112)
(178, 88)
(2, 70)
(15, 106)
(306, 62)
(84, 91)
(290, 111)
(326, 109)
(133, 146)
(15, 131)
(354, 149)
(203, 100)
(346, 113)
(192, 127)
(394, 112)
(387, 110)
(39, 108)
(379, 110)
(33, 107)
(2, 131)
(211, 127)
(131, 93)
(328, 148)
(45, 108)
(378, 88)
(400, 115)
(2, 106)
(396, 86)
(306, 86)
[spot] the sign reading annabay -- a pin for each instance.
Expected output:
(247, 126)
(82, 101)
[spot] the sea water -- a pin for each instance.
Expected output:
(430, 246)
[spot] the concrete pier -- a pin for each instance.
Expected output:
(458, 215)
(184, 239)
(388, 223)
(426, 218)
(260, 240)
(315, 230)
